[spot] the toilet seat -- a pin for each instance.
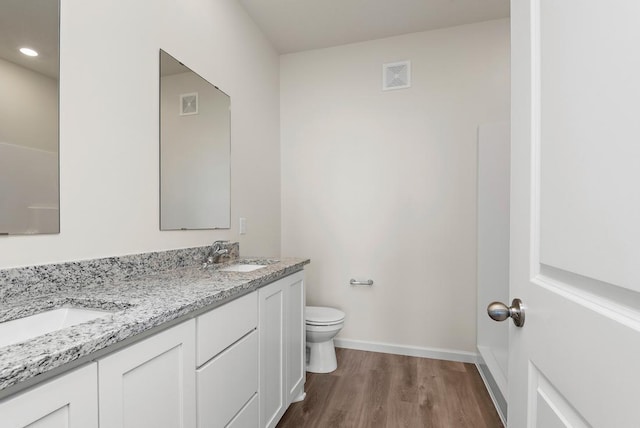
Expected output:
(319, 315)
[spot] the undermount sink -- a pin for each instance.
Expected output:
(30, 327)
(240, 267)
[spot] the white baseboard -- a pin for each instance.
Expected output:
(411, 351)
(486, 353)
(492, 394)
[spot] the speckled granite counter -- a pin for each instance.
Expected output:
(178, 288)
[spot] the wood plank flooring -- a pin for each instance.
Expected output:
(371, 389)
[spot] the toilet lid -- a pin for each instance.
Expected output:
(320, 315)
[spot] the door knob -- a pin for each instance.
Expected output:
(499, 311)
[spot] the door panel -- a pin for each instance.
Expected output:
(586, 351)
(574, 214)
(549, 407)
(589, 149)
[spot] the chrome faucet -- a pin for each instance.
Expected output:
(215, 251)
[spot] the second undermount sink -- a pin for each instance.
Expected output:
(21, 329)
(241, 267)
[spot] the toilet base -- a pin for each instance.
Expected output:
(321, 357)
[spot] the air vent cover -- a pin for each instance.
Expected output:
(396, 75)
(188, 104)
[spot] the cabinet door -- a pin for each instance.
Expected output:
(295, 334)
(67, 401)
(271, 327)
(151, 384)
(282, 346)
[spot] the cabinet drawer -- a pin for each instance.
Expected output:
(222, 326)
(248, 416)
(226, 383)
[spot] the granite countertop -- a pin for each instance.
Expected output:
(141, 304)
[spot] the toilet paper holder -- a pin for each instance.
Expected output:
(358, 283)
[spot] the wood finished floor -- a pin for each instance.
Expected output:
(371, 389)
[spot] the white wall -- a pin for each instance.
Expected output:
(494, 163)
(382, 185)
(109, 127)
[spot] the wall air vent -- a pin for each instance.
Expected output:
(396, 75)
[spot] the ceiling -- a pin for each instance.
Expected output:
(170, 65)
(34, 24)
(298, 25)
(290, 25)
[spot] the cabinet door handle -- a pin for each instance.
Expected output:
(367, 283)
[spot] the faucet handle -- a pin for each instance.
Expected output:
(218, 247)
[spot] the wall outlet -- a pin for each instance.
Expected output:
(243, 226)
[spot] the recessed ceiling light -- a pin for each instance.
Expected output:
(28, 52)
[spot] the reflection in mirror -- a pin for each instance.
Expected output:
(195, 150)
(29, 117)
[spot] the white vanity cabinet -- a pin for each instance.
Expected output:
(282, 346)
(239, 365)
(151, 383)
(66, 401)
(227, 374)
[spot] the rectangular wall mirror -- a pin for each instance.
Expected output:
(29, 202)
(195, 150)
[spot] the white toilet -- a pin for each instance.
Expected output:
(322, 325)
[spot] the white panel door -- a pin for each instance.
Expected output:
(575, 213)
